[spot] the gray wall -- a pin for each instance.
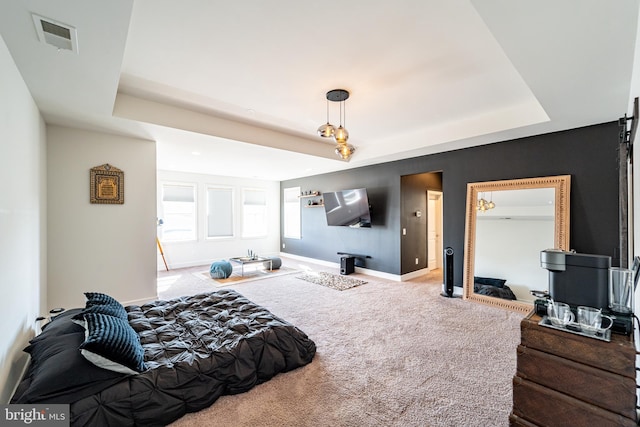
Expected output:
(381, 241)
(588, 154)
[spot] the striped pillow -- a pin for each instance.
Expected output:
(97, 298)
(115, 310)
(111, 343)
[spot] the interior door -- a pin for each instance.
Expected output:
(434, 229)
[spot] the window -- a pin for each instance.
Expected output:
(219, 212)
(179, 206)
(292, 212)
(254, 213)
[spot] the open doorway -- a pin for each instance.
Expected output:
(422, 224)
(434, 230)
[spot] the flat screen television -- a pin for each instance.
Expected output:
(349, 208)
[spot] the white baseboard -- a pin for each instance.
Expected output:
(175, 265)
(310, 260)
(336, 265)
(414, 274)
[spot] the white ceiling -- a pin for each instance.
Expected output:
(243, 83)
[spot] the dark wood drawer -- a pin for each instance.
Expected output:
(545, 407)
(617, 356)
(515, 421)
(610, 391)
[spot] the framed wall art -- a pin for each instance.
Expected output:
(107, 185)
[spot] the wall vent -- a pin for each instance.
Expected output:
(59, 35)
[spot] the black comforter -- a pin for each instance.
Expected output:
(196, 349)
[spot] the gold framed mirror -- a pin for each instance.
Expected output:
(507, 223)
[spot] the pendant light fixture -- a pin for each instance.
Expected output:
(326, 130)
(483, 205)
(345, 151)
(340, 134)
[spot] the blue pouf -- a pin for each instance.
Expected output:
(276, 263)
(220, 269)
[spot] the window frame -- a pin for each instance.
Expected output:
(194, 187)
(289, 206)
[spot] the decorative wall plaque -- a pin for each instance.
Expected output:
(107, 185)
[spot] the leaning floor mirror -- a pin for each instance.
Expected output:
(508, 224)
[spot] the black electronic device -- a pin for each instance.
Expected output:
(448, 272)
(577, 279)
(347, 265)
(540, 306)
(622, 323)
(349, 208)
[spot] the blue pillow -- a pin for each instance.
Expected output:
(220, 269)
(97, 298)
(115, 310)
(111, 343)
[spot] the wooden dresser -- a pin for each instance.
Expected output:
(565, 379)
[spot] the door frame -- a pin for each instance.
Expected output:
(437, 222)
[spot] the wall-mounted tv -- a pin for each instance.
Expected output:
(348, 208)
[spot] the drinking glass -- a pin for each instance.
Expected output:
(590, 320)
(620, 290)
(559, 313)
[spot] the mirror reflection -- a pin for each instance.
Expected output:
(509, 237)
(508, 224)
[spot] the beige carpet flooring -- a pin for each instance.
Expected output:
(388, 354)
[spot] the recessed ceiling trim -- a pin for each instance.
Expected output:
(56, 34)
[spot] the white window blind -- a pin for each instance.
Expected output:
(219, 212)
(254, 213)
(179, 207)
(292, 221)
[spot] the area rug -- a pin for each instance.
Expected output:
(249, 275)
(331, 280)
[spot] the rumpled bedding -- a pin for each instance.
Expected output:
(197, 348)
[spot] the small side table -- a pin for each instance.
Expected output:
(568, 379)
(249, 260)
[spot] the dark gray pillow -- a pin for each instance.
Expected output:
(59, 325)
(494, 291)
(111, 343)
(58, 373)
(498, 283)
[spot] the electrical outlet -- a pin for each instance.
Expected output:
(417, 261)
(283, 245)
(404, 231)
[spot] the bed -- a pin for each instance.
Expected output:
(165, 358)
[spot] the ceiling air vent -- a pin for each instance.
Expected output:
(59, 35)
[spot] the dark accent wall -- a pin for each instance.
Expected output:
(588, 154)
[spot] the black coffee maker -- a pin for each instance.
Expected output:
(577, 279)
(582, 279)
